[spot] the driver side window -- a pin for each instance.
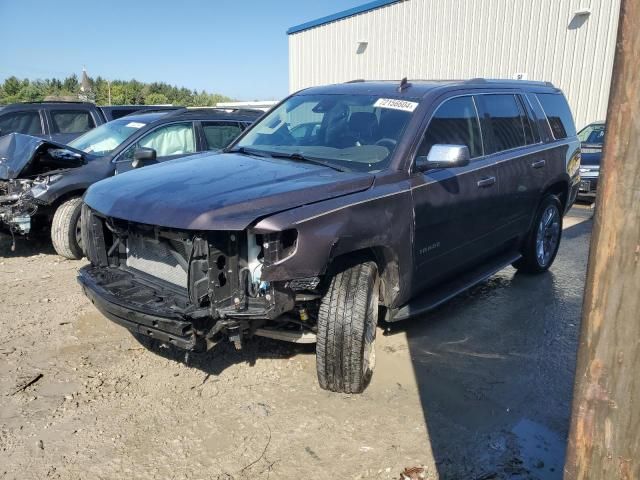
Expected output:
(454, 123)
(170, 140)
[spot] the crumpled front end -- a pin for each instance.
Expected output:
(189, 288)
(22, 199)
(17, 205)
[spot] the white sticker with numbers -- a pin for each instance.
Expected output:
(396, 104)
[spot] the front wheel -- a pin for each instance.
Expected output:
(65, 229)
(347, 320)
(542, 242)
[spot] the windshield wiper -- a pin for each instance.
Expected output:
(248, 151)
(297, 156)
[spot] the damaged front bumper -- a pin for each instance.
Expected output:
(189, 289)
(114, 292)
(17, 205)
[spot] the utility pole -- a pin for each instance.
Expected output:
(109, 90)
(604, 441)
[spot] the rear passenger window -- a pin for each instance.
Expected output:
(506, 120)
(220, 134)
(558, 113)
(531, 131)
(454, 123)
(71, 121)
(21, 122)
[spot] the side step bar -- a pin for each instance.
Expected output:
(436, 297)
(286, 336)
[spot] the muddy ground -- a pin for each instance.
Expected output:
(479, 389)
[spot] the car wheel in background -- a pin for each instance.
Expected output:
(65, 229)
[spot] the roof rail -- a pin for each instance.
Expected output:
(355, 80)
(58, 101)
(234, 110)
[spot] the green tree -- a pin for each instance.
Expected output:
(14, 90)
(155, 99)
(12, 86)
(70, 84)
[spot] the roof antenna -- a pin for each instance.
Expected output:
(403, 84)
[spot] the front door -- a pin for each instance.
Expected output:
(453, 207)
(169, 141)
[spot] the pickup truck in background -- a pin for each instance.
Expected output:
(62, 121)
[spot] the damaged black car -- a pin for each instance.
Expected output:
(42, 182)
(345, 204)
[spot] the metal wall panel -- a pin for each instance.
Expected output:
(441, 39)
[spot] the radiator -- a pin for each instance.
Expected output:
(162, 259)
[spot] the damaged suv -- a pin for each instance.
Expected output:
(345, 204)
(42, 182)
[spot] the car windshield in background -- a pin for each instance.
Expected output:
(592, 134)
(106, 138)
(347, 132)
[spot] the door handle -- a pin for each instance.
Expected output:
(486, 182)
(539, 163)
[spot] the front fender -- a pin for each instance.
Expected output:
(380, 218)
(76, 180)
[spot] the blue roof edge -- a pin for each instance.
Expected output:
(340, 15)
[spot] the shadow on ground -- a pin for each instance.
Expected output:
(25, 246)
(495, 370)
(223, 355)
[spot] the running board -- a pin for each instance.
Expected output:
(436, 297)
(286, 336)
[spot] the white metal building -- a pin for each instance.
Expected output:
(568, 42)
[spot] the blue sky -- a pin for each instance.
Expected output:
(237, 48)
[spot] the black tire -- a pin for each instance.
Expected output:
(65, 229)
(347, 320)
(532, 261)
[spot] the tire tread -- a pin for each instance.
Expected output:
(63, 235)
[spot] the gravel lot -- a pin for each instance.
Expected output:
(479, 389)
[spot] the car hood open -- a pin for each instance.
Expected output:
(24, 156)
(224, 191)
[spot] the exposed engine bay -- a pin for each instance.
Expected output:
(193, 288)
(28, 167)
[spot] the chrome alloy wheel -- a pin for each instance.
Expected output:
(548, 235)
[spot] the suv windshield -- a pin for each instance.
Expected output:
(592, 134)
(106, 138)
(348, 132)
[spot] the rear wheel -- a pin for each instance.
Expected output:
(65, 229)
(542, 242)
(347, 320)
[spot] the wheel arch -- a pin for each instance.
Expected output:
(66, 196)
(386, 262)
(559, 188)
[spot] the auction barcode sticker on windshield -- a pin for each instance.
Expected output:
(396, 104)
(135, 124)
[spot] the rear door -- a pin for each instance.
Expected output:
(453, 207)
(171, 141)
(513, 142)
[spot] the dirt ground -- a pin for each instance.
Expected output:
(479, 389)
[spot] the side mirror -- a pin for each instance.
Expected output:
(444, 156)
(141, 156)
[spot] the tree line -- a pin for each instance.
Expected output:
(123, 92)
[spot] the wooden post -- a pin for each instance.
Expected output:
(604, 441)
